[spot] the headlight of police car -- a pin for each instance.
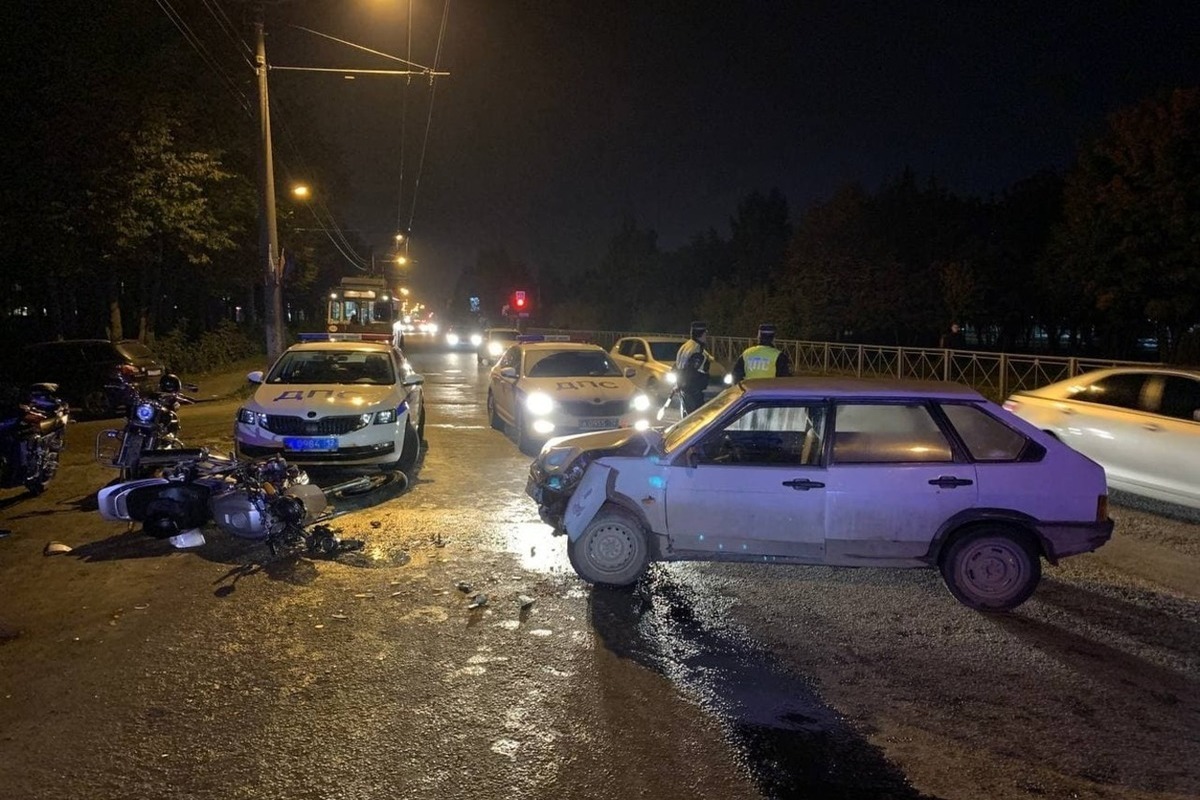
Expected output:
(476, 340)
(385, 417)
(452, 339)
(248, 416)
(556, 458)
(495, 348)
(539, 403)
(672, 378)
(640, 403)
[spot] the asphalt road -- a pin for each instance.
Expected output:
(132, 670)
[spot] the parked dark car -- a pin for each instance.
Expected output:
(92, 374)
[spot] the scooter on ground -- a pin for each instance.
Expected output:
(269, 501)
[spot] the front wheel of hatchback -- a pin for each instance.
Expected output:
(994, 568)
(612, 550)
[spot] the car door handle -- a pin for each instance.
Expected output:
(949, 482)
(1150, 426)
(804, 484)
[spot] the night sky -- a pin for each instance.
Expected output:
(559, 119)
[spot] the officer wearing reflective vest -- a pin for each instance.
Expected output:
(763, 360)
(691, 368)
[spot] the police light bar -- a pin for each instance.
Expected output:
(345, 337)
(531, 338)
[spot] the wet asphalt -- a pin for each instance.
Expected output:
(130, 669)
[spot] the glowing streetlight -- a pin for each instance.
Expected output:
(301, 192)
(402, 260)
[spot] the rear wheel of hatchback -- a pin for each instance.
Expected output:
(991, 568)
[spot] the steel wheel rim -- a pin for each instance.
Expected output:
(611, 547)
(993, 569)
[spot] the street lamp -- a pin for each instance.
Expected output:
(301, 192)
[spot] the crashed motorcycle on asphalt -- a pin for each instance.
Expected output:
(268, 501)
(33, 429)
(151, 425)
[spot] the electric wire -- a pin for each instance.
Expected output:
(429, 119)
(230, 30)
(404, 123)
(202, 51)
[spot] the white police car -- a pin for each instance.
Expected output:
(545, 388)
(348, 401)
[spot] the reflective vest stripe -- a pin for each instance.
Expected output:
(760, 361)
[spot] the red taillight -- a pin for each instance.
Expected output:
(1102, 508)
(127, 370)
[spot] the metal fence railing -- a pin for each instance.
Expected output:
(995, 375)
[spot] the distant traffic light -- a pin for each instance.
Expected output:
(519, 302)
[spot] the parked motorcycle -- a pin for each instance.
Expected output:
(151, 425)
(267, 500)
(33, 430)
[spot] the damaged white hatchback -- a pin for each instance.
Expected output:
(839, 472)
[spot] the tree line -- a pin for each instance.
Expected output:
(1101, 259)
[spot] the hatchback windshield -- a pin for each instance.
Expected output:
(681, 431)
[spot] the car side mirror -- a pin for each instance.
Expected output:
(255, 377)
(692, 456)
(629, 372)
(509, 372)
(412, 380)
(640, 357)
(1196, 415)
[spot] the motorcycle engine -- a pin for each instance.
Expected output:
(243, 512)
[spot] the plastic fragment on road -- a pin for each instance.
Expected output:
(478, 601)
(338, 616)
(192, 538)
(463, 587)
(525, 601)
(55, 548)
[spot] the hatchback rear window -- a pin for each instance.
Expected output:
(986, 438)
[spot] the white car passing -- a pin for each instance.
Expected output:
(550, 388)
(344, 403)
(652, 359)
(1142, 424)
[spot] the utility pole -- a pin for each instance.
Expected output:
(269, 233)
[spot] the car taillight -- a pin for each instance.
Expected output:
(1102, 508)
(127, 371)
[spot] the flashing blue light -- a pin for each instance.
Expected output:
(657, 482)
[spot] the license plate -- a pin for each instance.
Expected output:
(601, 424)
(153, 373)
(309, 445)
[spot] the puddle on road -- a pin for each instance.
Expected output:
(535, 547)
(791, 743)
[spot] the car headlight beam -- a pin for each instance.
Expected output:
(640, 402)
(539, 403)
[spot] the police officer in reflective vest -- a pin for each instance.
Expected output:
(763, 360)
(691, 368)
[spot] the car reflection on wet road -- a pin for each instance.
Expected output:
(223, 672)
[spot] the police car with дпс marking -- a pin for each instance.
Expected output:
(345, 401)
(547, 386)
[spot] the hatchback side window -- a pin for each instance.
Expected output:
(765, 435)
(625, 348)
(866, 433)
(1181, 398)
(1123, 390)
(636, 348)
(986, 438)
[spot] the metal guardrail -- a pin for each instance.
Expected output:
(995, 375)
